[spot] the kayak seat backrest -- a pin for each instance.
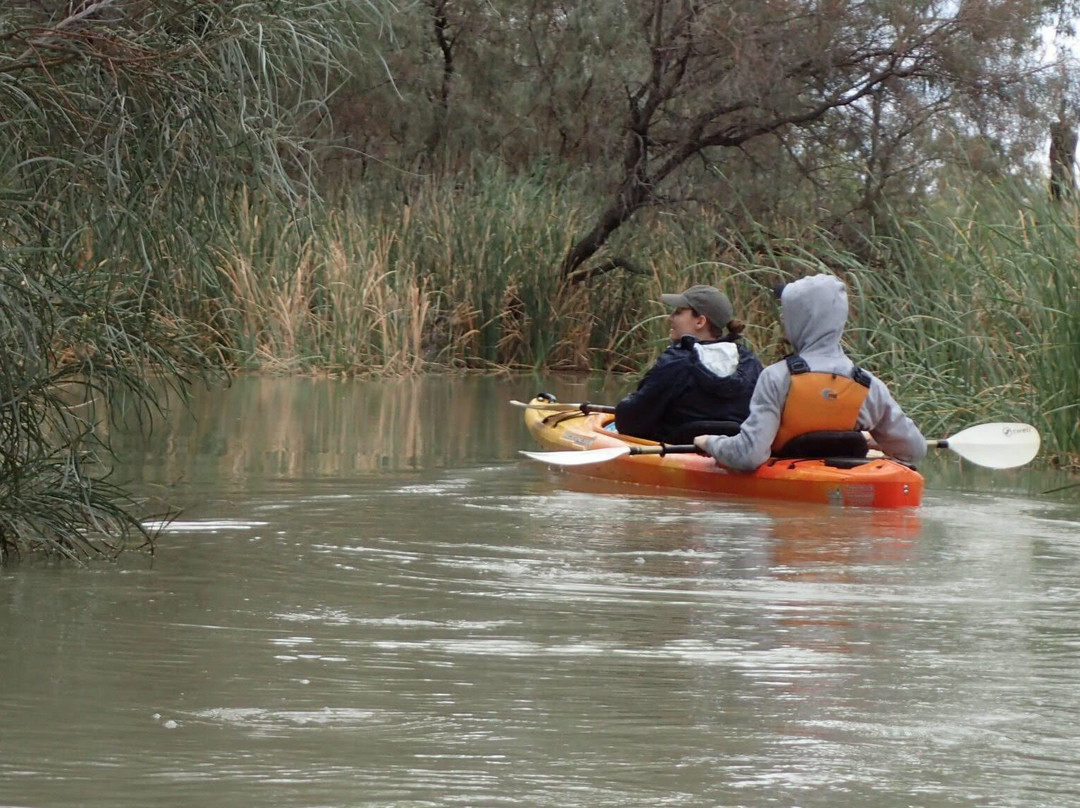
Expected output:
(846, 462)
(687, 432)
(825, 444)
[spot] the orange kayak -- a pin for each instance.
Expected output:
(875, 483)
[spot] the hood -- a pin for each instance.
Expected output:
(814, 311)
(719, 359)
(721, 367)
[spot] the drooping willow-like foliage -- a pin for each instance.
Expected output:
(129, 131)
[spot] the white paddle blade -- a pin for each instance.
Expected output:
(547, 405)
(583, 458)
(998, 445)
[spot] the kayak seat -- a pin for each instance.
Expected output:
(846, 462)
(687, 432)
(848, 444)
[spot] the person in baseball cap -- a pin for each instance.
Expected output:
(701, 301)
(705, 377)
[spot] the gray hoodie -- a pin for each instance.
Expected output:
(814, 311)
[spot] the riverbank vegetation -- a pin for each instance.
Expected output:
(128, 132)
(192, 188)
(969, 312)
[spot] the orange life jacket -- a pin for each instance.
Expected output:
(820, 402)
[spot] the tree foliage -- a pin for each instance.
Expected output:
(766, 109)
(133, 135)
(127, 130)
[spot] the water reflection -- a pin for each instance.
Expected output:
(448, 625)
(276, 427)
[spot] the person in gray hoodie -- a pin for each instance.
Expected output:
(830, 394)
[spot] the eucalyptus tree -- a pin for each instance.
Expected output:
(129, 133)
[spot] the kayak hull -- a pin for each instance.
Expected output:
(877, 483)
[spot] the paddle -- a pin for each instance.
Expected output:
(584, 407)
(589, 456)
(995, 446)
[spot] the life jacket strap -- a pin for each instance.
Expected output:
(796, 364)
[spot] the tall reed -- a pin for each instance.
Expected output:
(455, 275)
(969, 312)
(986, 291)
(128, 133)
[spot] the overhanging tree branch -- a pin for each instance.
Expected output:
(796, 80)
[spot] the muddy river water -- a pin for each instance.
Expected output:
(369, 599)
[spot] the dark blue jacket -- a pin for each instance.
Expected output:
(681, 388)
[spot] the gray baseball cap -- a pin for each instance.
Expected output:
(707, 300)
